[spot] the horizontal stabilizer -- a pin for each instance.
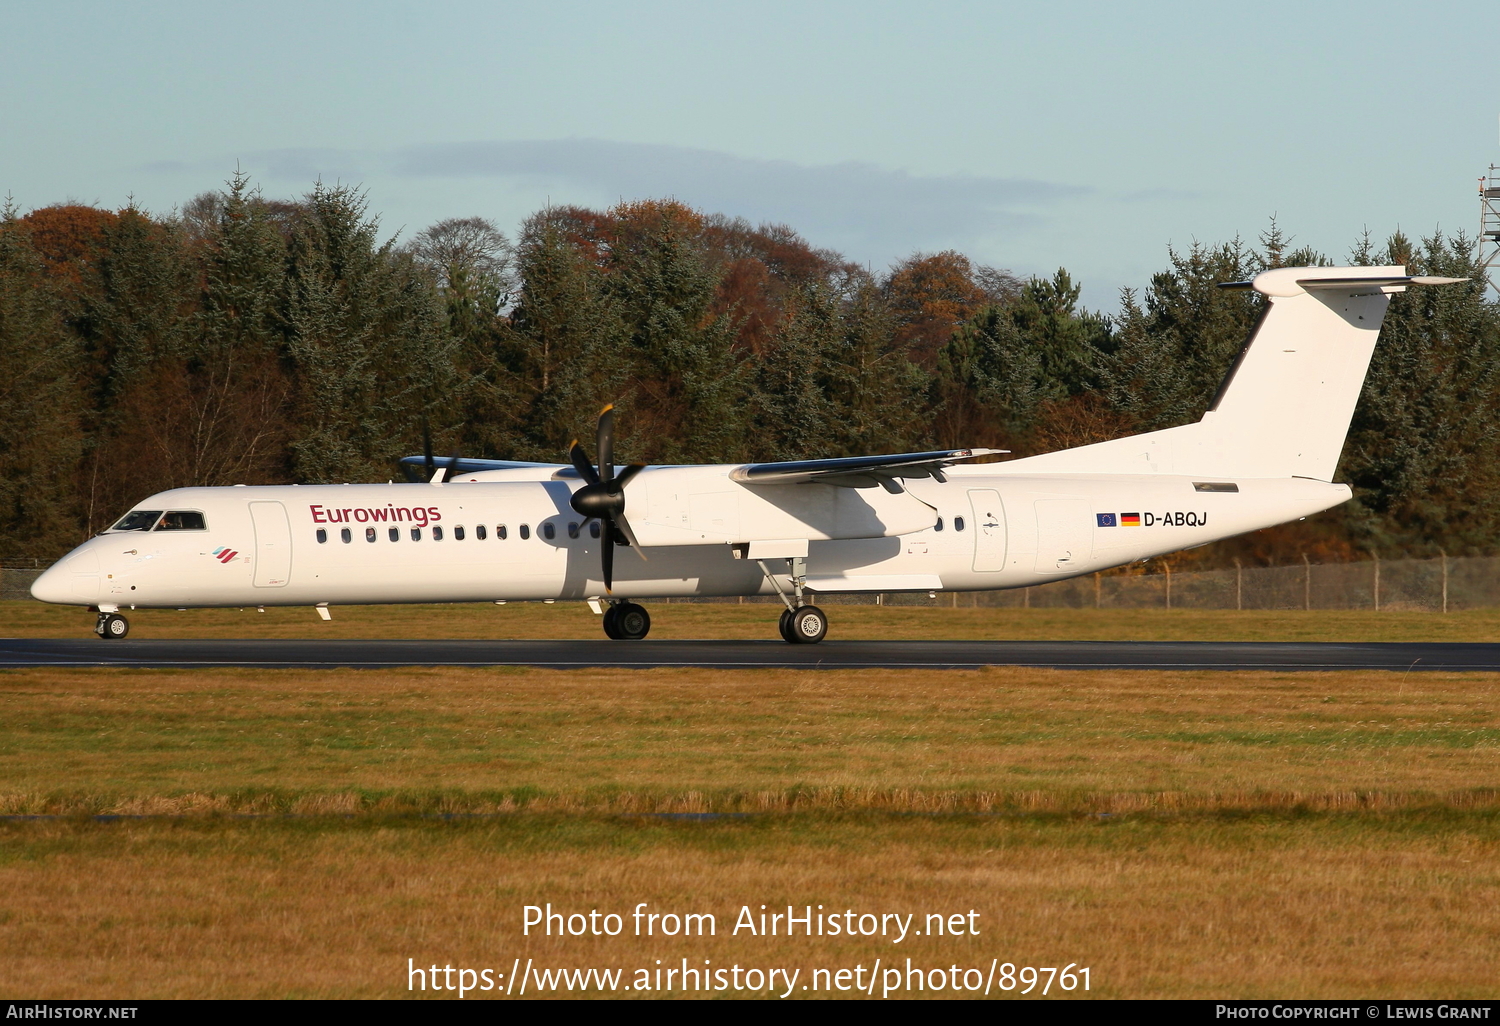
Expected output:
(1285, 282)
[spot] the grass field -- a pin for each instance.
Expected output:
(681, 620)
(1182, 834)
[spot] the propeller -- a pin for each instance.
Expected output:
(436, 474)
(602, 496)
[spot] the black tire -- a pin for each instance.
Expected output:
(113, 626)
(632, 622)
(611, 630)
(781, 627)
(807, 626)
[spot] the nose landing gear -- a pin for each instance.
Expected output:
(111, 626)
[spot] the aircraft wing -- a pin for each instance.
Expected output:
(415, 467)
(857, 471)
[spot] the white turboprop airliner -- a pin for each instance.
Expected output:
(496, 531)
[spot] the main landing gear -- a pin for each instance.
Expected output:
(801, 623)
(111, 626)
(626, 621)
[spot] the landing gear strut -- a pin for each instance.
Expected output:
(801, 623)
(627, 621)
(111, 626)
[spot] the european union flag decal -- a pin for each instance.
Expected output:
(1105, 519)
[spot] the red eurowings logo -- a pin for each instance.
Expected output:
(224, 553)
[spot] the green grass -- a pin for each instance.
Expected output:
(461, 739)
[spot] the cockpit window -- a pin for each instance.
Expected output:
(182, 520)
(138, 520)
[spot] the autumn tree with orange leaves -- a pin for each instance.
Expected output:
(256, 340)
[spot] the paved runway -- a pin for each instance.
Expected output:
(830, 655)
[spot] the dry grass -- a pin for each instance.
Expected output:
(680, 620)
(1309, 907)
(1184, 834)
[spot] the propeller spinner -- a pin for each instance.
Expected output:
(602, 496)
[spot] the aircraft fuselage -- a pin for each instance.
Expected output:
(509, 540)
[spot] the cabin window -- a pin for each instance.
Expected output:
(501, 533)
(322, 536)
(395, 534)
(369, 534)
(182, 520)
(958, 523)
(939, 525)
(347, 535)
(593, 529)
(138, 520)
(479, 532)
(525, 531)
(548, 531)
(416, 534)
(572, 530)
(458, 533)
(437, 533)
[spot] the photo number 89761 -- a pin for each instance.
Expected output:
(1025, 979)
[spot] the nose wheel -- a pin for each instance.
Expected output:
(627, 621)
(111, 626)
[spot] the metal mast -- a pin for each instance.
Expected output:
(1489, 224)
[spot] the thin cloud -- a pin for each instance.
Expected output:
(858, 207)
(868, 212)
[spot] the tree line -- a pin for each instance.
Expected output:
(246, 340)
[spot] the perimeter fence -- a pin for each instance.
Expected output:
(1435, 585)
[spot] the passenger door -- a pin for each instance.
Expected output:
(273, 544)
(989, 529)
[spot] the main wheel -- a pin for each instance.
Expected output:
(807, 626)
(111, 626)
(632, 622)
(786, 635)
(611, 631)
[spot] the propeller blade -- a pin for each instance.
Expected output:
(624, 528)
(427, 451)
(582, 465)
(625, 476)
(608, 557)
(606, 443)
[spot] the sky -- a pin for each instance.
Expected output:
(1028, 136)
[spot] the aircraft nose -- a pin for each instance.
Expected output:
(72, 580)
(53, 586)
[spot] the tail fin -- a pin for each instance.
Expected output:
(1285, 406)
